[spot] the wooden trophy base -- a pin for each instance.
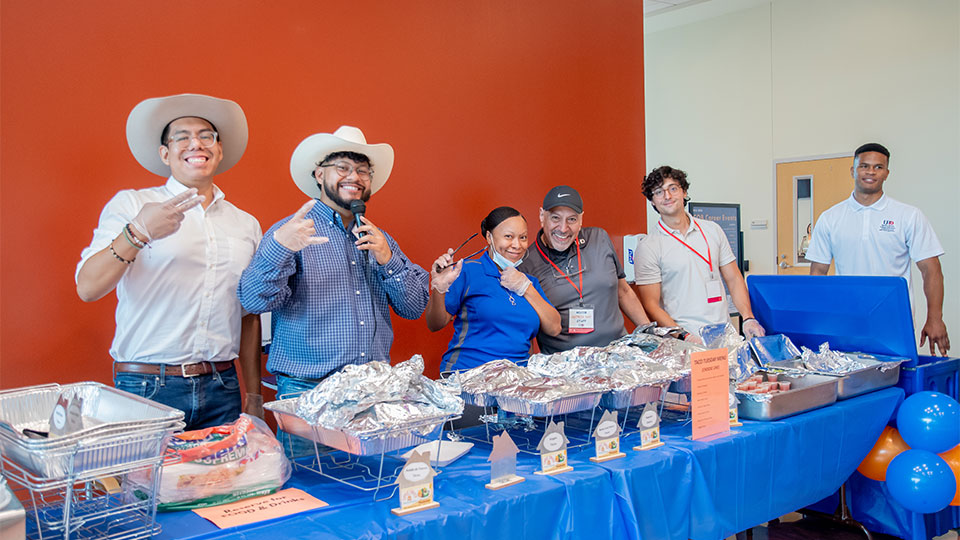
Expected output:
(608, 457)
(412, 509)
(500, 485)
(651, 447)
(558, 470)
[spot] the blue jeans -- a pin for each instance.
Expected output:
(206, 400)
(288, 387)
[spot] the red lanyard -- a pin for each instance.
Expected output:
(579, 268)
(708, 259)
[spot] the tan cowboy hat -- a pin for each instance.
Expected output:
(345, 139)
(147, 120)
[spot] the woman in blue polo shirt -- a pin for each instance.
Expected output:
(494, 309)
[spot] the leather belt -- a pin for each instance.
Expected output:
(173, 370)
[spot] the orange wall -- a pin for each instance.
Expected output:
(485, 102)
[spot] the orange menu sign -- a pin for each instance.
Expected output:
(281, 503)
(710, 384)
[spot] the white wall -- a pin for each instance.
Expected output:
(732, 85)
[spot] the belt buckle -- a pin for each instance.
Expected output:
(183, 370)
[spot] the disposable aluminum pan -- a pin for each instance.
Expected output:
(120, 429)
(621, 399)
(807, 392)
(365, 443)
(479, 400)
(564, 405)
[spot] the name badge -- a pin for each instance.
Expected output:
(581, 320)
(714, 291)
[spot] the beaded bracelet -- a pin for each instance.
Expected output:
(131, 241)
(119, 258)
(132, 238)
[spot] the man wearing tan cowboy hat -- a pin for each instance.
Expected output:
(174, 254)
(331, 282)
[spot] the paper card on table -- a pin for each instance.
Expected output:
(281, 503)
(710, 381)
(649, 425)
(734, 406)
(416, 485)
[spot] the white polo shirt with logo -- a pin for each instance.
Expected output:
(876, 240)
(682, 274)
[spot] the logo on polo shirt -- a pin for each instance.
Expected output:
(888, 226)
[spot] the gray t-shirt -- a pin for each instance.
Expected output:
(601, 272)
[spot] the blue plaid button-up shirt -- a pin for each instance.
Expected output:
(330, 302)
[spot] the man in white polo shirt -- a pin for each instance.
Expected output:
(679, 265)
(872, 234)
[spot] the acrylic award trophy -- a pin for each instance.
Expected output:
(607, 438)
(503, 462)
(553, 450)
(416, 485)
(649, 426)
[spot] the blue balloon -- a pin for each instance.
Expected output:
(921, 481)
(930, 421)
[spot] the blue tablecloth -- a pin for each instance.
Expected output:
(685, 489)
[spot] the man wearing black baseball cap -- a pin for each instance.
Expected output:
(581, 275)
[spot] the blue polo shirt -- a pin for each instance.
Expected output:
(489, 322)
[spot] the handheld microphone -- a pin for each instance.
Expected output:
(359, 209)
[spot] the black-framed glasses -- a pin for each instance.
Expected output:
(345, 169)
(183, 139)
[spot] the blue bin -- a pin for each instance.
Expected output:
(933, 373)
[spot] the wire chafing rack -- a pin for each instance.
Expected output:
(357, 460)
(79, 485)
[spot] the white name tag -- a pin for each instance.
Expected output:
(714, 291)
(581, 320)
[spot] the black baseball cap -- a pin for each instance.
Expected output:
(563, 196)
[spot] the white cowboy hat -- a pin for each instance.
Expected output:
(147, 120)
(311, 150)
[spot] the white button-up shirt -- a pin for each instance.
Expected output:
(177, 303)
(682, 274)
(876, 240)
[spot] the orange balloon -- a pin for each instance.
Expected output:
(888, 446)
(952, 457)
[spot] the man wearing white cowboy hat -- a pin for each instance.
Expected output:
(174, 253)
(330, 282)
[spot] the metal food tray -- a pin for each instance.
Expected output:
(563, 405)
(479, 400)
(854, 383)
(365, 443)
(621, 399)
(807, 392)
(123, 428)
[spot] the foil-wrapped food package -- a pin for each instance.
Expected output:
(645, 337)
(375, 396)
(675, 354)
(739, 359)
(486, 378)
(829, 361)
(543, 389)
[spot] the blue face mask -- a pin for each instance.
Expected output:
(502, 261)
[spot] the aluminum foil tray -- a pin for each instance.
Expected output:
(366, 443)
(807, 392)
(564, 405)
(479, 400)
(621, 399)
(120, 428)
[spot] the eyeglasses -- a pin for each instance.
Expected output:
(672, 189)
(345, 169)
(182, 140)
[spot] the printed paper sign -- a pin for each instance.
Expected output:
(710, 381)
(281, 503)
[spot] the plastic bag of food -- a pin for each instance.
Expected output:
(219, 465)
